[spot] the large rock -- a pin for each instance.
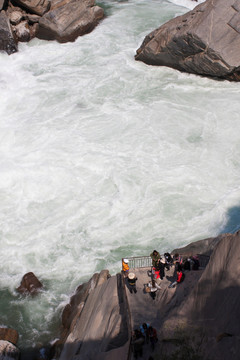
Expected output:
(9, 334)
(8, 351)
(69, 19)
(200, 247)
(29, 284)
(100, 325)
(7, 40)
(205, 41)
(214, 305)
(38, 7)
(209, 314)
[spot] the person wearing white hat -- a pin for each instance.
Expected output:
(125, 267)
(152, 288)
(132, 282)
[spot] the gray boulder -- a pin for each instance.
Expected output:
(38, 7)
(204, 41)
(7, 40)
(69, 19)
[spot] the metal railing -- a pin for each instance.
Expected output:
(139, 262)
(146, 261)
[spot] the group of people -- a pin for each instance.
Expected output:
(146, 334)
(157, 273)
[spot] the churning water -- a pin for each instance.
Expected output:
(104, 157)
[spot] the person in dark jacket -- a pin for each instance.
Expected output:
(132, 282)
(137, 343)
(161, 268)
(155, 256)
(169, 261)
(152, 333)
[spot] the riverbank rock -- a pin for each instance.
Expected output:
(38, 7)
(22, 31)
(61, 20)
(99, 322)
(9, 334)
(202, 247)
(69, 19)
(204, 41)
(8, 351)
(7, 40)
(207, 318)
(30, 284)
(214, 304)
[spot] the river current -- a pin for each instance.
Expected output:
(103, 157)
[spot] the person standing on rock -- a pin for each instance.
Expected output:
(152, 288)
(144, 330)
(169, 261)
(178, 261)
(152, 336)
(125, 267)
(178, 273)
(137, 343)
(160, 267)
(132, 282)
(155, 256)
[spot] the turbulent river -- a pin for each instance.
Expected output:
(103, 157)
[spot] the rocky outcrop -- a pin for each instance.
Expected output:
(202, 247)
(69, 19)
(30, 284)
(38, 7)
(210, 311)
(214, 304)
(8, 351)
(73, 310)
(97, 321)
(204, 41)
(23, 24)
(7, 40)
(61, 20)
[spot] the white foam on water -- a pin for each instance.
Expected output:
(190, 4)
(103, 157)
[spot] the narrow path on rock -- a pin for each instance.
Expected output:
(144, 309)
